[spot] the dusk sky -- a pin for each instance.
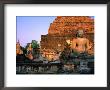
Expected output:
(32, 27)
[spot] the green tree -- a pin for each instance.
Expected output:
(36, 47)
(34, 44)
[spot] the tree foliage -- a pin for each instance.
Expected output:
(35, 47)
(34, 44)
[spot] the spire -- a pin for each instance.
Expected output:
(18, 40)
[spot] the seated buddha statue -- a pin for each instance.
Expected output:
(80, 44)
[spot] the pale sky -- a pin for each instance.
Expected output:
(32, 27)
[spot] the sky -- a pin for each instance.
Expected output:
(32, 27)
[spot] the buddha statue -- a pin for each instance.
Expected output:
(18, 48)
(80, 44)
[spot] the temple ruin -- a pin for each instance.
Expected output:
(64, 28)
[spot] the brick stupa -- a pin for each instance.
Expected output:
(64, 28)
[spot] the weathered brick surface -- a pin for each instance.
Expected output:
(64, 28)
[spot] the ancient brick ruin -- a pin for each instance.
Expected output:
(64, 28)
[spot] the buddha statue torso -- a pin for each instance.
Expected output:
(80, 45)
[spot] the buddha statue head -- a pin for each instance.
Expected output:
(80, 33)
